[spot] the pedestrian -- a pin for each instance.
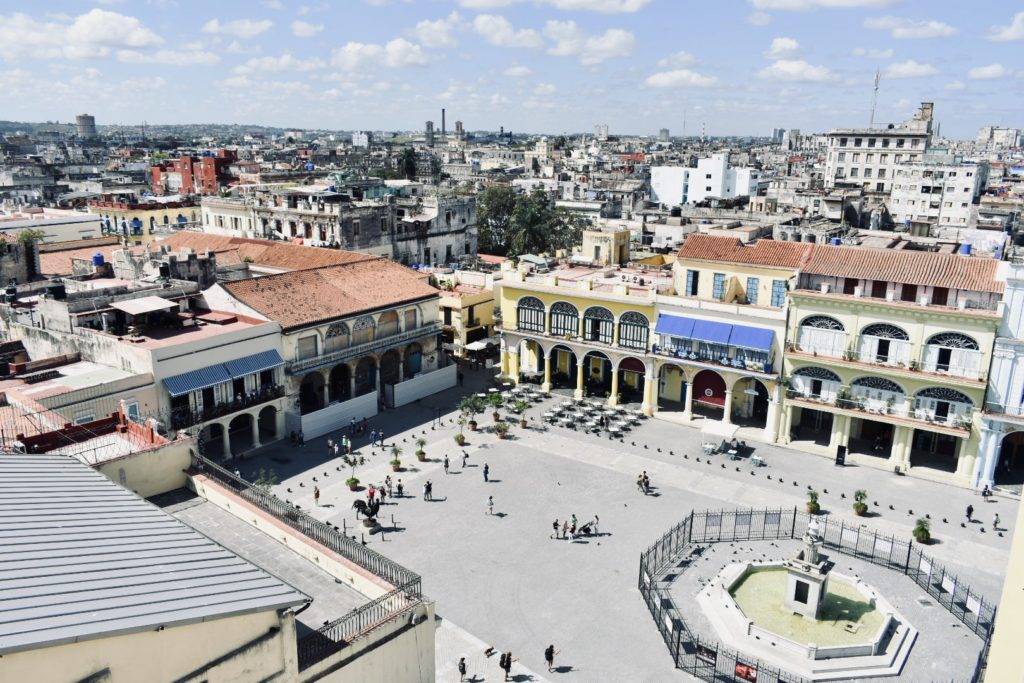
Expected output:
(371, 492)
(986, 492)
(302, 439)
(446, 464)
(465, 459)
(430, 490)
(549, 657)
(462, 668)
(400, 488)
(373, 437)
(426, 491)
(330, 447)
(352, 427)
(382, 492)
(490, 505)
(565, 529)
(387, 483)
(572, 521)
(487, 472)
(646, 483)
(995, 523)
(501, 664)
(348, 446)
(572, 532)
(508, 664)
(316, 495)
(640, 483)
(337, 450)
(970, 512)
(380, 438)
(597, 521)
(554, 527)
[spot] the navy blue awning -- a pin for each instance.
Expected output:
(710, 331)
(674, 325)
(196, 380)
(257, 362)
(756, 338)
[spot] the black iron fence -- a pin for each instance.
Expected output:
(321, 532)
(182, 418)
(682, 544)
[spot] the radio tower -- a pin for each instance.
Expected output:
(874, 98)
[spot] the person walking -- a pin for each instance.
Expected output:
(549, 657)
(382, 492)
(316, 496)
(640, 483)
(446, 464)
(646, 483)
(508, 664)
(430, 490)
(465, 459)
(502, 660)
(426, 491)
(380, 438)
(352, 427)
(462, 669)
(371, 492)
(565, 529)
(554, 527)
(387, 483)
(400, 488)
(995, 522)
(373, 437)
(490, 505)
(572, 532)
(330, 447)
(970, 512)
(487, 472)
(597, 520)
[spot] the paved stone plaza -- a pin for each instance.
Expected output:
(502, 581)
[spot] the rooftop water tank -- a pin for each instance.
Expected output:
(97, 259)
(965, 249)
(836, 241)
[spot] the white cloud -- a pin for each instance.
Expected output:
(284, 62)
(795, 70)
(602, 6)
(1012, 31)
(518, 71)
(759, 19)
(88, 35)
(438, 33)
(901, 28)
(273, 4)
(570, 41)
(545, 89)
(909, 69)
(955, 85)
(396, 53)
(304, 29)
(497, 30)
(169, 57)
(872, 53)
(980, 73)
(239, 28)
(677, 59)
(679, 78)
(782, 47)
(805, 5)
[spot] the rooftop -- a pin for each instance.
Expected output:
(770, 253)
(209, 324)
(266, 253)
(307, 297)
(82, 558)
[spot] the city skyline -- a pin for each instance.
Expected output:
(528, 65)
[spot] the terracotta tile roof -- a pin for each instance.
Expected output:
(909, 267)
(268, 253)
(770, 253)
(492, 259)
(59, 262)
(306, 297)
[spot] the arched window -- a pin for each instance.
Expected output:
(885, 331)
(953, 340)
(634, 329)
(598, 324)
(823, 322)
(877, 384)
(409, 319)
(530, 314)
(363, 330)
(387, 324)
(338, 337)
(944, 394)
(943, 405)
(565, 319)
(817, 373)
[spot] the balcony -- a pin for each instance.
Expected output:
(956, 422)
(597, 344)
(726, 357)
(900, 357)
(183, 419)
(349, 352)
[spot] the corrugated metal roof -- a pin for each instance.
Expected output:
(193, 380)
(81, 557)
(257, 362)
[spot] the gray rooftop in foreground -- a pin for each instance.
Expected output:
(81, 557)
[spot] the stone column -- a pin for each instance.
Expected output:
(988, 456)
(688, 400)
(650, 387)
(900, 454)
(613, 398)
(351, 381)
(547, 372)
(401, 366)
(580, 370)
(256, 432)
(513, 367)
(787, 423)
(727, 412)
(226, 440)
(771, 427)
(504, 360)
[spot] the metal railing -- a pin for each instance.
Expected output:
(955, 420)
(340, 355)
(894, 359)
(707, 659)
(321, 532)
(182, 419)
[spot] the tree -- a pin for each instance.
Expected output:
(30, 236)
(535, 167)
(407, 163)
(494, 208)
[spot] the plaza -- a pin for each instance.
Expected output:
(502, 581)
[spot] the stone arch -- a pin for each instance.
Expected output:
(1009, 469)
(339, 383)
(632, 379)
(337, 337)
(564, 366)
(411, 318)
(311, 392)
(387, 324)
(822, 322)
(530, 313)
(267, 423)
(750, 402)
(598, 378)
(390, 366)
(953, 340)
(709, 394)
(363, 330)
(671, 387)
(412, 361)
(565, 319)
(598, 325)
(366, 375)
(634, 330)
(885, 331)
(240, 434)
(815, 372)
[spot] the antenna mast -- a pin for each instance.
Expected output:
(874, 98)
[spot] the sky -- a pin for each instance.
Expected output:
(732, 67)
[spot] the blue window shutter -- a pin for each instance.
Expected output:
(752, 284)
(690, 274)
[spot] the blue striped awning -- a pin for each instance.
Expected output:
(195, 380)
(674, 325)
(257, 362)
(742, 336)
(755, 338)
(710, 331)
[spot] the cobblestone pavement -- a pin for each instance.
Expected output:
(506, 582)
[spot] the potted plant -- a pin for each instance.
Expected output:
(922, 530)
(352, 483)
(421, 454)
(501, 429)
(352, 460)
(460, 439)
(813, 507)
(471, 406)
(396, 464)
(495, 401)
(859, 506)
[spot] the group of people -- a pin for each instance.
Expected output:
(570, 529)
(643, 483)
(506, 660)
(995, 520)
(428, 490)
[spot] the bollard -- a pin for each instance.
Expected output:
(344, 526)
(302, 484)
(945, 521)
(363, 537)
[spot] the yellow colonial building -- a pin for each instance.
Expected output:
(887, 358)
